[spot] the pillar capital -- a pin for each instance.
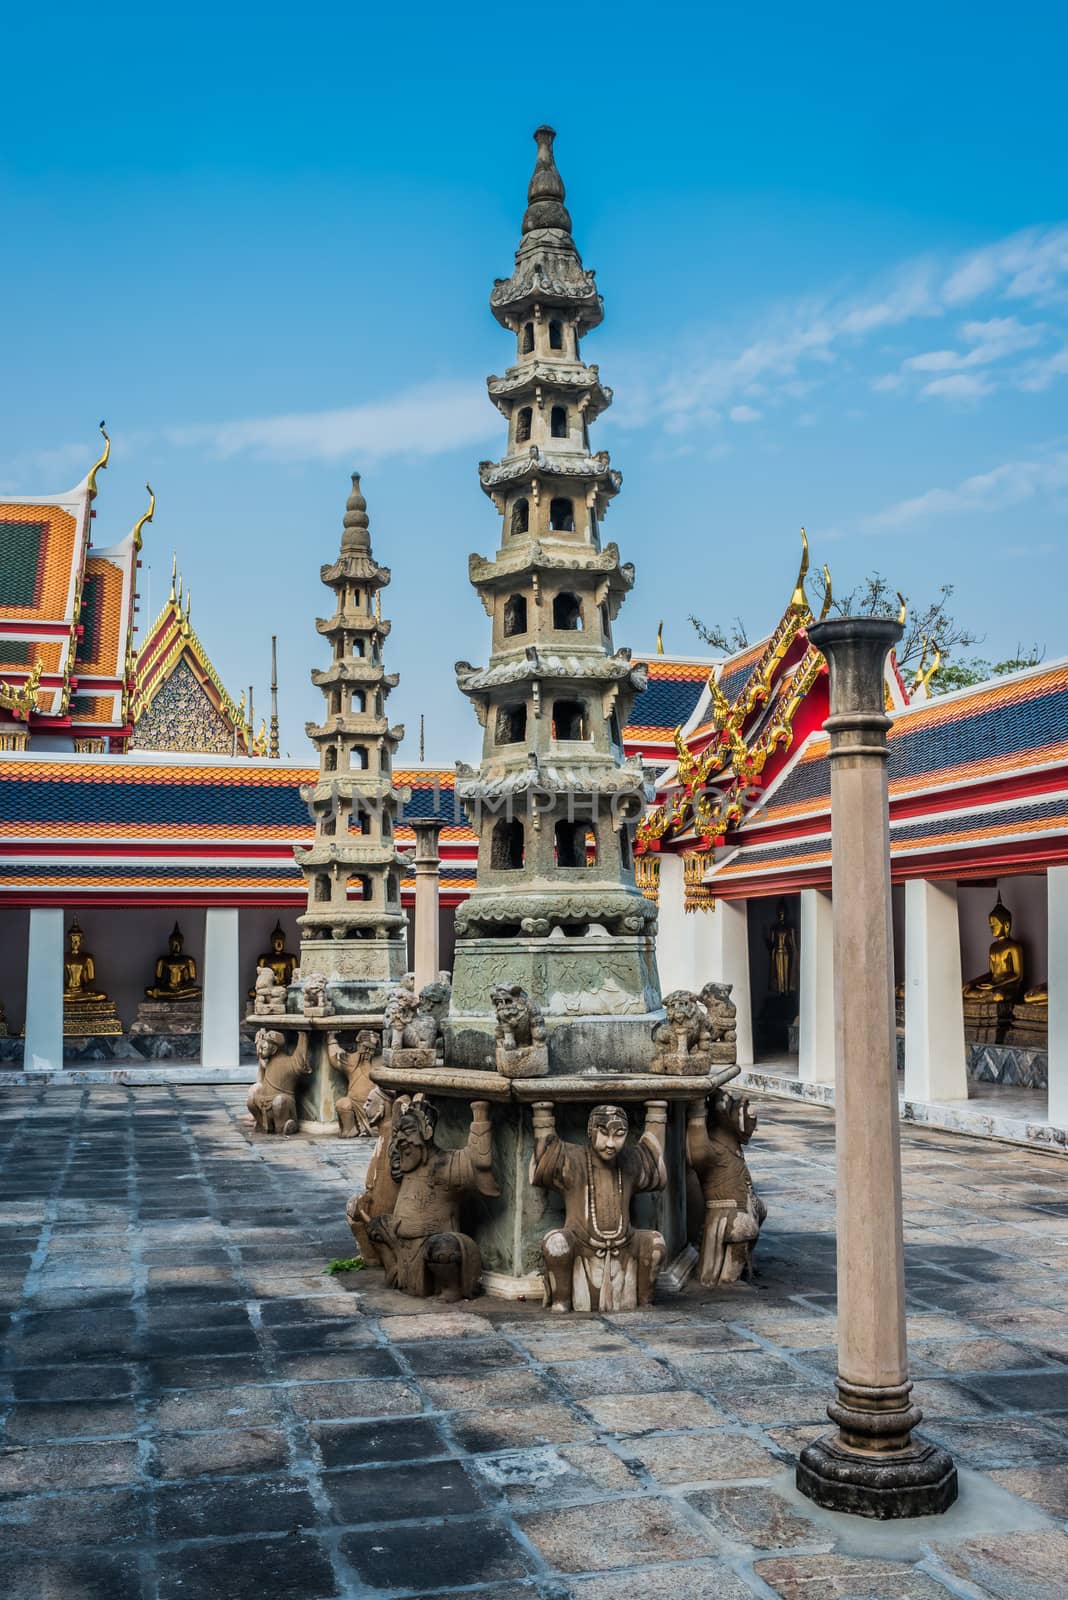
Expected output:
(427, 831)
(856, 649)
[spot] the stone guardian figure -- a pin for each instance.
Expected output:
(420, 1243)
(725, 1211)
(598, 1261)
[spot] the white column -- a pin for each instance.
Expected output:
(706, 944)
(816, 1044)
(220, 1044)
(674, 951)
(734, 965)
(427, 904)
(935, 1058)
(44, 991)
(1057, 913)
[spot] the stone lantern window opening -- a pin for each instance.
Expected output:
(521, 516)
(613, 729)
(335, 702)
(523, 425)
(558, 422)
(507, 845)
(526, 343)
(322, 888)
(392, 888)
(567, 613)
(606, 624)
(330, 759)
(570, 720)
(556, 335)
(561, 515)
(515, 616)
(361, 887)
(511, 724)
(624, 848)
(360, 757)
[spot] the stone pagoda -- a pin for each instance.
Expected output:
(354, 931)
(554, 801)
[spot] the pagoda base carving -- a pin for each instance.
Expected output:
(359, 972)
(598, 995)
(166, 1017)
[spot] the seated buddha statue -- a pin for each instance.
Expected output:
(79, 972)
(280, 960)
(175, 972)
(1004, 978)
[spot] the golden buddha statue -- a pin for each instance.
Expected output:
(176, 972)
(281, 961)
(87, 1011)
(1004, 978)
(781, 941)
(79, 972)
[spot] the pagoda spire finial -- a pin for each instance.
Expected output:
(545, 194)
(356, 522)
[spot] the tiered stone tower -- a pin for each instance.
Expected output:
(554, 801)
(354, 930)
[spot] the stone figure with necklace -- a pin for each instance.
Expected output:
(598, 1261)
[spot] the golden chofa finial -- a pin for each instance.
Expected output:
(146, 518)
(903, 613)
(99, 466)
(918, 679)
(660, 637)
(828, 593)
(799, 600)
(173, 597)
(932, 669)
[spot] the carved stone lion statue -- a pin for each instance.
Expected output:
(399, 1010)
(722, 1014)
(522, 1051)
(315, 1002)
(682, 1042)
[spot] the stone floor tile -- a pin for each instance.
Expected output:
(450, 1555)
(1033, 1391)
(753, 1516)
(846, 1577)
(99, 1419)
(644, 1413)
(362, 1444)
(63, 1574)
(232, 1450)
(43, 1522)
(178, 1409)
(531, 1479)
(437, 1325)
(973, 1355)
(221, 1506)
(615, 1533)
(721, 1456)
(319, 1366)
(1027, 1565)
(32, 1469)
(635, 1374)
(381, 1494)
(684, 1580)
(344, 1401)
(294, 1568)
(516, 1427)
(998, 1441)
(1045, 1487)
(503, 1388)
(778, 1403)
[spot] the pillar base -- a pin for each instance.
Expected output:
(920, 1481)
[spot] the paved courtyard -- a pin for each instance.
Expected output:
(193, 1410)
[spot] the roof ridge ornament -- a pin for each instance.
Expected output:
(147, 517)
(799, 600)
(356, 523)
(545, 192)
(99, 466)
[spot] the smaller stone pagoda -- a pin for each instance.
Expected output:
(354, 931)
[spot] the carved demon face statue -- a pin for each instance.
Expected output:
(512, 1008)
(412, 1138)
(432, 998)
(607, 1133)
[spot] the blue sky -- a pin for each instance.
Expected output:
(833, 246)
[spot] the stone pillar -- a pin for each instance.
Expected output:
(220, 1040)
(44, 991)
(427, 901)
(733, 919)
(816, 1046)
(935, 1061)
(674, 952)
(1057, 969)
(871, 1465)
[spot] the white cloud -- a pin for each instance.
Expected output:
(744, 414)
(1030, 265)
(422, 421)
(1006, 485)
(961, 386)
(888, 382)
(52, 470)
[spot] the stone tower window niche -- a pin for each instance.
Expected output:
(556, 335)
(522, 425)
(521, 516)
(527, 341)
(567, 613)
(561, 516)
(570, 720)
(511, 724)
(507, 845)
(558, 422)
(515, 615)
